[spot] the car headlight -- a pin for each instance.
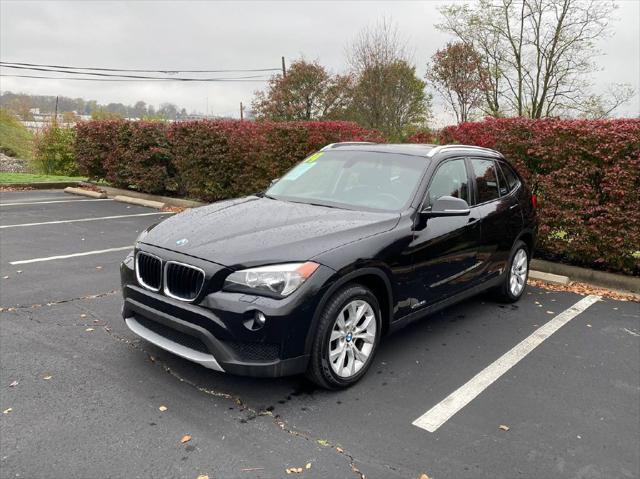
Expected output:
(280, 279)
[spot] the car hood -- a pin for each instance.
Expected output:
(254, 231)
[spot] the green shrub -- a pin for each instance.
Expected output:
(55, 151)
(15, 139)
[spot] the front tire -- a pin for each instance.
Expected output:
(515, 277)
(346, 339)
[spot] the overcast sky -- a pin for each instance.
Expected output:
(175, 35)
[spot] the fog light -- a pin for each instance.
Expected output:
(256, 321)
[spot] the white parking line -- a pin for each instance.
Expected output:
(65, 256)
(51, 201)
(445, 409)
(86, 219)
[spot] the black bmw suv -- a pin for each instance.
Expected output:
(354, 242)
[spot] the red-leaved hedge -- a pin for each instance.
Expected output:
(586, 173)
(587, 178)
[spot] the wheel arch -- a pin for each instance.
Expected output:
(528, 238)
(372, 278)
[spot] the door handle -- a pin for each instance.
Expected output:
(472, 220)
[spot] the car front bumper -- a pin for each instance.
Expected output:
(212, 330)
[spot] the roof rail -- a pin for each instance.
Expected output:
(346, 143)
(440, 148)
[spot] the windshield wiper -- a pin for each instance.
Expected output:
(262, 194)
(318, 204)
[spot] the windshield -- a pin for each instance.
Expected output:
(352, 179)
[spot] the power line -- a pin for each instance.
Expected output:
(137, 77)
(166, 71)
(213, 80)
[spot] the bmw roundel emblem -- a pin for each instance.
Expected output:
(182, 242)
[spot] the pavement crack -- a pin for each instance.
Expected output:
(60, 301)
(282, 424)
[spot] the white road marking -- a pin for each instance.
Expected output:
(51, 201)
(73, 255)
(445, 409)
(86, 219)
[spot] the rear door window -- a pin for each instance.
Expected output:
(486, 178)
(510, 175)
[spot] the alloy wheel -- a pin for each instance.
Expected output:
(352, 338)
(519, 268)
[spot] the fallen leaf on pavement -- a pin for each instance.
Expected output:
(163, 408)
(340, 450)
(83, 315)
(294, 470)
(88, 330)
(584, 289)
(13, 384)
(323, 442)
(202, 476)
(588, 325)
(5, 277)
(308, 466)
(98, 267)
(424, 476)
(185, 438)
(47, 377)
(7, 411)
(503, 427)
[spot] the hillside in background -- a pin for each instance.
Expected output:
(21, 104)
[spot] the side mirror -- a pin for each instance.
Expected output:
(447, 206)
(274, 181)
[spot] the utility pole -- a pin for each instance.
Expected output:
(241, 112)
(284, 69)
(55, 116)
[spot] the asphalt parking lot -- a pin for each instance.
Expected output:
(80, 394)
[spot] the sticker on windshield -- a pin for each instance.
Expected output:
(299, 170)
(312, 158)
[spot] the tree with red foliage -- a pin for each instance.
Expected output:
(307, 92)
(455, 73)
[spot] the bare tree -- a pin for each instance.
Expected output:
(537, 53)
(455, 73)
(598, 107)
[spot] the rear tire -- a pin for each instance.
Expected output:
(516, 275)
(346, 338)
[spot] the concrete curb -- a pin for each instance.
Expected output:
(548, 277)
(43, 185)
(83, 192)
(167, 200)
(139, 201)
(596, 278)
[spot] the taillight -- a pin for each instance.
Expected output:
(534, 201)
